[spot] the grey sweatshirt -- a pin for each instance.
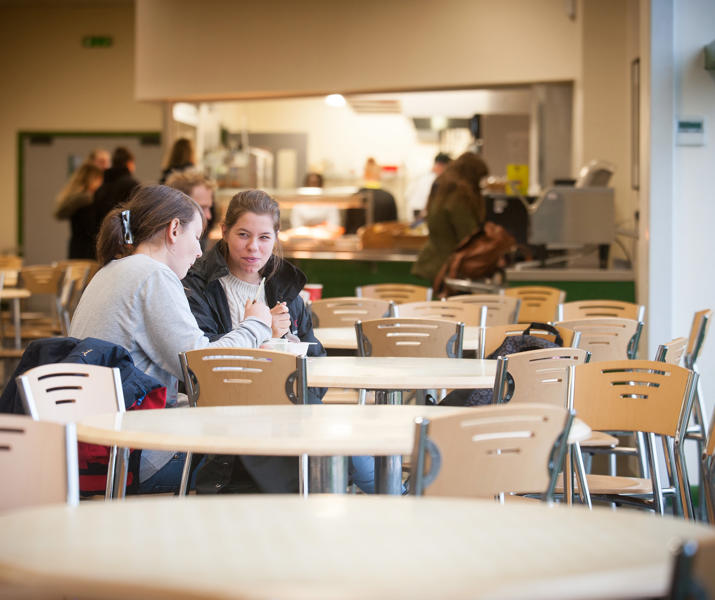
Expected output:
(140, 304)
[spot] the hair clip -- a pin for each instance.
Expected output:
(126, 227)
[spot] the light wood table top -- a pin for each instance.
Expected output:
(318, 430)
(390, 373)
(344, 338)
(14, 293)
(337, 547)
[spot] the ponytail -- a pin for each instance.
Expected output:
(152, 208)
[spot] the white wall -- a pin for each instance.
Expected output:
(693, 179)
(282, 47)
(51, 83)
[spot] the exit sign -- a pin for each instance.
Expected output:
(97, 41)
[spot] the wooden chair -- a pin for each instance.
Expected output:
(43, 282)
(542, 376)
(8, 356)
(672, 352)
(696, 428)
(501, 309)
(607, 339)
(38, 462)
(539, 376)
(539, 304)
(399, 293)
(241, 376)
(344, 311)
(693, 574)
(605, 309)
(69, 392)
(637, 396)
(707, 474)
(77, 274)
(491, 450)
(492, 337)
(435, 309)
(405, 336)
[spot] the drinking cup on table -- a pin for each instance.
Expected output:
(277, 344)
(315, 290)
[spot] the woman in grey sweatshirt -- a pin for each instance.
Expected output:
(137, 300)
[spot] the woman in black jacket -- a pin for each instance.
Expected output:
(222, 281)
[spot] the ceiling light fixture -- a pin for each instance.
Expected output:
(335, 100)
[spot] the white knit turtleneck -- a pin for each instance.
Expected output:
(238, 292)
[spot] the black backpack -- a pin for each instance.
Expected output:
(511, 345)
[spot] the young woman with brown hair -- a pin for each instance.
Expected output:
(137, 300)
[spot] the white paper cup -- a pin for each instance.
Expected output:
(277, 344)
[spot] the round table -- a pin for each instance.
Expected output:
(284, 430)
(337, 547)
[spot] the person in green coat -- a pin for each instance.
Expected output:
(455, 209)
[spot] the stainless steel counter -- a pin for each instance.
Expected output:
(372, 254)
(573, 274)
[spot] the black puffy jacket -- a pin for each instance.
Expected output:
(208, 302)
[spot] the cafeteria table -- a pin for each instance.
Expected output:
(288, 547)
(277, 430)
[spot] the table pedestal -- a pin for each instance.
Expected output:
(388, 469)
(327, 474)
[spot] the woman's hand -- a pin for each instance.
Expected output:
(258, 310)
(281, 320)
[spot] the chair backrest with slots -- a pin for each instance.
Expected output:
(490, 450)
(243, 376)
(405, 336)
(399, 293)
(344, 311)
(38, 462)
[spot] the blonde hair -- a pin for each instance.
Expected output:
(187, 180)
(79, 182)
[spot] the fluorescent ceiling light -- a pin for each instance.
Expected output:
(335, 100)
(439, 123)
(185, 113)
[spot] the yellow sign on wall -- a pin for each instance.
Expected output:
(517, 179)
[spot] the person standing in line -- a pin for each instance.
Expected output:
(117, 185)
(420, 190)
(201, 189)
(181, 157)
(100, 158)
(75, 203)
(454, 211)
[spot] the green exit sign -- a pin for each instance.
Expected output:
(97, 41)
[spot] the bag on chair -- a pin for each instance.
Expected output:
(480, 255)
(512, 344)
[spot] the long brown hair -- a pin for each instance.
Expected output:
(461, 175)
(152, 208)
(182, 153)
(257, 202)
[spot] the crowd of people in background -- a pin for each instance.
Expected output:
(105, 181)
